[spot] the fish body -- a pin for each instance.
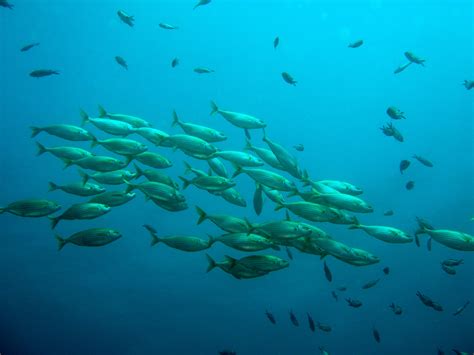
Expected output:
(232, 196)
(239, 158)
(84, 210)
(203, 70)
(270, 317)
(410, 185)
(265, 263)
(423, 161)
(78, 188)
(64, 131)
(116, 177)
(120, 61)
(153, 160)
(388, 213)
(174, 63)
(311, 323)
(352, 256)
(324, 327)
(343, 187)
(111, 126)
(28, 47)
(121, 146)
(234, 268)
(299, 147)
(285, 158)
(385, 234)
(282, 230)
(293, 319)
(353, 303)
(245, 241)
(391, 131)
(94, 237)
(266, 155)
(386, 270)
(31, 208)
(134, 121)
(218, 167)
(288, 78)
(125, 18)
(267, 178)
(395, 113)
(183, 243)
(327, 272)
(276, 42)
(209, 183)
(309, 211)
(356, 44)
(404, 164)
(64, 153)
(427, 301)
(334, 295)
(258, 200)
(414, 59)
(396, 309)
(167, 26)
(448, 269)
(376, 334)
(453, 262)
(201, 3)
(41, 73)
(461, 309)
(240, 120)
(155, 136)
(227, 223)
(370, 284)
(113, 198)
(188, 143)
(451, 239)
(468, 84)
(207, 134)
(98, 163)
(343, 201)
(401, 68)
(273, 194)
(157, 191)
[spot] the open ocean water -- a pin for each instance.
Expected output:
(129, 298)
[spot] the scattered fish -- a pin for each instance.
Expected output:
(293, 319)
(414, 59)
(453, 262)
(334, 295)
(311, 323)
(388, 213)
(94, 237)
(402, 68)
(324, 327)
(353, 303)
(356, 44)
(327, 272)
(391, 131)
(395, 113)
(203, 70)
(167, 26)
(386, 270)
(288, 78)
(461, 309)
(423, 161)
(468, 84)
(270, 317)
(28, 47)
(448, 269)
(129, 20)
(40, 73)
(276, 42)
(299, 147)
(120, 61)
(370, 284)
(385, 234)
(404, 164)
(396, 309)
(174, 63)
(201, 3)
(410, 185)
(429, 302)
(376, 334)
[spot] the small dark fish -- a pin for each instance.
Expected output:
(289, 253)
(468, 84)
(288, 78)
(376, 334)
(126, 18)
(370, 284)
(402, 68)
(440, 352)
(324, 327)
(311, 323)
(327, 272)
(6, 4)
(356, 44)
(353, 303)
(227, 352)
(423, 161)
(453, 262)
(203, 70)
(201, 3)
(342, 288)
(276, 42)
(404, 164)
(174, 62)
(396, 309)
(391, 131)
(461, 309)
(410, 185)
(150, 228)
(427, 301)
(120, 61)
(293, 319)
(386, 270)
(43, 72)
(167, 26)
(334, 295)
(28, 47)
(395, 113)
(388, 213)
(417, 240)
(258, 200)
(448, 269)
(299, 147)
(428, 243)
(270, 317)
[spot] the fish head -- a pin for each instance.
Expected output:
(55, 206)
(104, 208)
(128, 175)
(114, 234)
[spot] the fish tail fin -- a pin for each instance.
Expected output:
(265, 138)
(128, 159)
(248, 144)
(214, 108)
(41, 149)
(211, 264)
(102, 112)
(294, 192)
(279, 206)
(202, 215)
(211, 240)
(154, 239)
(35, 131)
(85, 177)
(54, 221)
(250, 226)
(61, 241)
(130, 186)
(138, 170)
(84, 116)
(67, 163)
(238, 171)
(231, 260)
(354, 226)
(188, 168)
(247, 134)
(175, 119)
(94, 142)
(52, 186)
(185, 181)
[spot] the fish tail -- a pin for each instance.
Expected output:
(67, 163)
(154, 239)
(61, 241)
(94, 142)
(279, 206)
(265, 138)
(130, 186)
(54, 221)
(41, 149)
(211, 264)
(128, 159)
(214, 108)
(354, 226)
(188, 169)
(84, 116)
(175, 119)
(52, 186)
(238, 171)
(202, 215)
(247, 133)
(85, 177)
(35, 131)
(102, 112)
(138, 170)
(294, 192)
(211, 240)
(248, 144)
(250, 226)
(185, 181)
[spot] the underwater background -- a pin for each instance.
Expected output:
(129, 298)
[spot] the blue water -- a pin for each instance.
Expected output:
(128, 298)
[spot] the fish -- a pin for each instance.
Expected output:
(299, 147)
(240, 120)
(385, 234)
(113, 198)
(232, 196)
(453, 262)
(203, 70)
(334, 295)
(356, 44)
(324, 327)
(227, 223)
(218, 167)
(265, 154)
(192, 144)
(64, 153)
(125, 18)
(343, 187)
(208, 183)
(391, 131)
(264, 263)
(414, 59)
(258, 200)
(323, 351)
(180, 242)
(401, 68)
(427, 301)
(94, 237)
(98, 163)
(167, 26)
(289, 253)
(64, 131)
(240, 159)
(201, 3)
(116, 177)
(448, 269)
(273, 194)
(120, 61)
(29, 46)
(388, 213)
(376, 334)
(293, 319)
(395, 113)
(282, 231)
(342, 288)
(396, 309)
(327, 272)
(155, 136)
(157, 191)
(270, 317)
(349, 255)
(153, 160)
(417, 240)
(404, 164)
(311, 324)
(353, 303)
(429, 242)
(386, 270)
(370, 284)
(31, 208)
(461, 309)
(451, 239)
(285, 158)
(78, 188)
(423, 161)
(246, 242)
(309, 211)
(342, 201)
(41, 73)
(468, 84)
(210, 135)
(174, 63)
(111, 126)
(134, 121)
(276, 42)
(121, 146)
(288, 78)
(85, 210)
(234, 268)
(172, 205)
(6, 4)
